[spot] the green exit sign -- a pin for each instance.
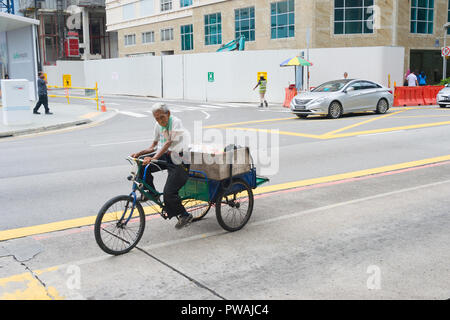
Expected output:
(210, 76)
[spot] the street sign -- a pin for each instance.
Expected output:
(445, 52)
(262, 74)
(67, 80)
(210, 76)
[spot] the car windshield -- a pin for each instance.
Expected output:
(331, 86)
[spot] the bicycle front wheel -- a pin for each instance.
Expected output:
(119, 225)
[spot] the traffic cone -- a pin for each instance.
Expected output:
(103, 105)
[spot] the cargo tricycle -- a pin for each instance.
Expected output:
(120, 222)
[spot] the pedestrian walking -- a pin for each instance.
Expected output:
(6, 76)
(262, 83)
(345, 75)
(422, 79)
(43, 98)
(405, 79)
(412, 80)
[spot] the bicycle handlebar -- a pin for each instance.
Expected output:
(152, 161)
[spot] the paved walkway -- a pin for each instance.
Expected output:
(64, 115)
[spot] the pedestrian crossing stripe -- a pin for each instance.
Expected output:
(133, 114)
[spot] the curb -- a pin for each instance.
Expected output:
(9, 134)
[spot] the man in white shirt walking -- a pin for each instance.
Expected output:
(412, 80)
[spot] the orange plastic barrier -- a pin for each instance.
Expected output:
(408, 96)
(291, 92)
(430, 93)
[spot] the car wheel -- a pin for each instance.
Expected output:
(302, 116)
(382, 106)
(335, 110)
(442, 105)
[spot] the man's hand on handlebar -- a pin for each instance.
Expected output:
(147, 160)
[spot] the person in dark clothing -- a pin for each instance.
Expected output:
(43, 98)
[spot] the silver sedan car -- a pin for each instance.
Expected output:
(335, 98)
(443, 97)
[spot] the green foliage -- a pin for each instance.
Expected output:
(444, 82)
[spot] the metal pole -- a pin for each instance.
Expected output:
(444, 63)
(444, 67)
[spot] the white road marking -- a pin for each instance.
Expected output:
(122, 142)
(210, 106)
(206, 113)
(133, 114)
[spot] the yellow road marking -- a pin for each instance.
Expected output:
(80, 222)
(90, 115)
(423, 116)
(224, 125)
(348, 175)
(331, 133)
(414, 126)
(26, 287)
(287, 133)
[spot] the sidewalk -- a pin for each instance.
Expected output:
(64, 115)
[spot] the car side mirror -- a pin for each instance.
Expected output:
(350, 89)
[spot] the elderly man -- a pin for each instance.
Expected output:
(169, 143)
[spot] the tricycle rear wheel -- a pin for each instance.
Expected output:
(197, 208)
(234, 206)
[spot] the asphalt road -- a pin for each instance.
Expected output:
(356, 208)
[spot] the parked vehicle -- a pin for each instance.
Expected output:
(443, 96)
(338, 97)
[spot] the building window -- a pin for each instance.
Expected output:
(282, 19)
(422, 16)
(353, 16)
(147, 8)
(185, 3)
(213, 28)
(448, 16)
(166, 34)
(187, 37)
(129, 11)
(244, 21)
(130, 40)
(166, 5)
(148, 37)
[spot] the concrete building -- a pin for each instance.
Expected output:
(161, 27)
(70, 29)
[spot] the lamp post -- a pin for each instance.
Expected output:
(444, 64)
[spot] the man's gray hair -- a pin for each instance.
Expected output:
(159, 106)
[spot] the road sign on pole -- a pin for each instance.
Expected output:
(210, 76)
(445, 52)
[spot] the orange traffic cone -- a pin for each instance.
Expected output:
(103, 105)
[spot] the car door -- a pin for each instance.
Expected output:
(351, 97)
(368, 97)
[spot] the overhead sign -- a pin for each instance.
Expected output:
(445, 51)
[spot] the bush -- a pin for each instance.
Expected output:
(444, 82)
